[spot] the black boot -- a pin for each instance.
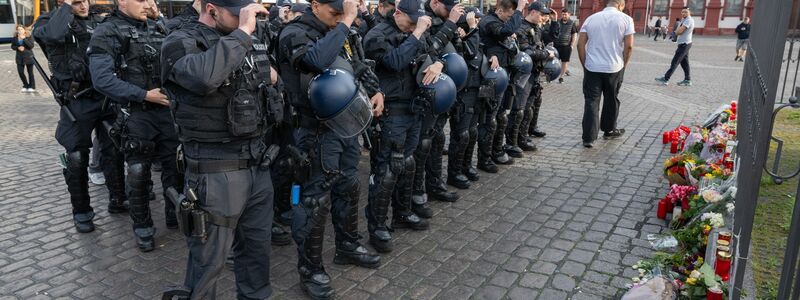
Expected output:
(533, 129)
(115, 183)
(316, 283)
(512, 134)
(383, 185)
(455, 160)
(352, 253)
(380, 238)
(280, 237)
(499, 155)
(83, 222)
(419, 205)
(526, 142)
(410, 221)
(144, 238)
(485, 161)
(468, 169)
(438, 191)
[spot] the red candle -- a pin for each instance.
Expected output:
(675, 135)
(685, 203)
(683, 144)
(665, 137)
(669, 203)
(662, 210)
(714, 293)
(673, 148)
(725, 236)
(723, 265)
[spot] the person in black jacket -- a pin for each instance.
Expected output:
(65, 34)
(189, 13)
(496, 31)
(307, 47)
(22, 44)
(219, 80)
(742, 39)
(657, 29)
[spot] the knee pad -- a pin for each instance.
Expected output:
(139, 177)
(410, 165)
(425, 145)
(517, 114)
(78, 159)
(463, 136)
(396, 163)
(502, 118)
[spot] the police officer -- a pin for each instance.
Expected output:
(496, 32)
(189, 13)
(428, 155)
(218, 78)
(307, 47)
(124, 59)
(531, 41)
(384, 11)
(463, 117)
(397, 54)
(65, 33)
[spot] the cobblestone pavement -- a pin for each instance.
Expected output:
(562, 223)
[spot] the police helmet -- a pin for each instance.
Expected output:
(551, 48)
(523, 64)
(552, 69)
(339, 103)
(442, 93)
(456, 68)
(500, 78)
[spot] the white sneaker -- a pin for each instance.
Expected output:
(97, 178)
(24, 90)
(31, 90)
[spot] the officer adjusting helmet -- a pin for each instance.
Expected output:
(339, 103)
(442, 92)
(523, 64)
(456, 68)
(552, 67)
(500, 78)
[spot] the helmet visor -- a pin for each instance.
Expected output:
(352, 119)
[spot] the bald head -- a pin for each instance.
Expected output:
(619, 4)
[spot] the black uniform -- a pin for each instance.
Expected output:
(222, 104)
(124, 59)
(397, 55)
(525, 109)
(187, 15)
(306, 48)
(65, 38)
(464, 115)
(496, 40)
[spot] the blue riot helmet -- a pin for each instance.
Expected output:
(523, 64)
(551, 48)
(442, 93)
(500, 78)
(456, 68)
(552, 67)
(339, 103)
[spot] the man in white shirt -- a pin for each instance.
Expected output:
(604, 48)
(681, 57)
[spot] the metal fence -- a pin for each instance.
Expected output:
(757, 97)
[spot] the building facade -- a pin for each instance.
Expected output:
(711, 17)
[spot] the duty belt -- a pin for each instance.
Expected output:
(398, 108)
(218, 166)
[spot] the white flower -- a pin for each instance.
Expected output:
(730, 207)
(711, 196)
(714, 219)
(641, 272)
(635, 279)
(635, 267)
(695, 274)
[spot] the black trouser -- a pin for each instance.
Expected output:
(433, 166)
(29, 82)
(595, 85)
(487, 125)
(283, 172)
(657, 33)
(332, 187)
(245, 197)
(76, 137)
(425, 147)
(463, 120)
(151, 138)
(681, 58)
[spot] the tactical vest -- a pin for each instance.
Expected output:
(397, 86)
(295, 79)
(237, 110)
(138, 61)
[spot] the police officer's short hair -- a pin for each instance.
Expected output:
(203, 4)
(507, 4)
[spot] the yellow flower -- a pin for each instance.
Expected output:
(691, 281)
(709, 176)
(700, 261)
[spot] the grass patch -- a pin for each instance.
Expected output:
(773, 214)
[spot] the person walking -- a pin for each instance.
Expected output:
(743, 39)
(567, 35)
(604, 48)
(681, 57)
(657, 29)
(23, 45)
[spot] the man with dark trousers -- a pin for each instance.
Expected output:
(124, 58)
(398, 56)
(527, 101)
(219, 80)
(604, 48)
(428, 181)
(496, 31)
(65, 35)
(463, 115)
(307, 47)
